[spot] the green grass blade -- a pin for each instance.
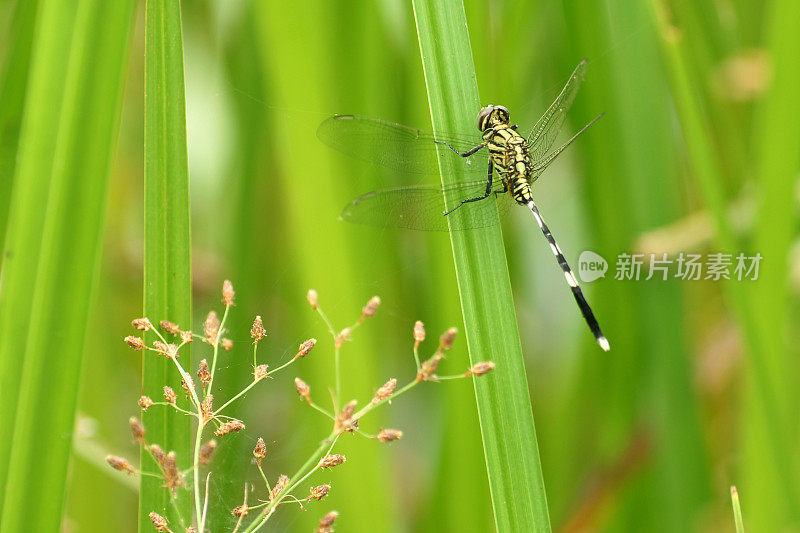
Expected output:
(509, 436)
(72, 108)
(167, 261)
(12, 93)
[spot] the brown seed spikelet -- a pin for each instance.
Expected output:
(313, 299)
(343, 336)
(145, 402)
(331, 460)
(203, 372)
(446, 340)
(227, 292)
(388, 435)
(120, 463)
(305, 348)
(257, 331)
(160, 522)
(186, 336)
(281, 484)
(260, 372)
(419, 333)
(170, 327)
(135, 342)
(137, 429)
(211, 328)
(479, 369)
(319, 492)
(303, 389)
(142, 324)
(170, 395)
(427, 371)
(206, 452)
(226, 344)
(326, 523)
(370, 308)
(231, 426)
(240, 511)
(385, 391)
(260, 451)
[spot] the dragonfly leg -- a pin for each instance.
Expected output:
(477, 198)
(462, 154)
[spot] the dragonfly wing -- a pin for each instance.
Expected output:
(422, 207)
(547, 128)
(398, 147)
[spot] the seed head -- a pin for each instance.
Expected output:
(419, 332)
(388, 435)
(281, 484)
(142, 324)
(203, 372)
(231, 426)
(172, 351)
(158, 455)
(137, 429)
(303, 389)
(170, 395)
(186, 336)
(211, 328)
(326, 524)
(227, 293)
(319, 492)
(170, 327)
(241, 511)
(427, 371)
(313, 299)
(385, 391)
(188, 385)
(257, 331)
(260, 372)
(120, 463)
(331, 460)
(145, 402)
(160, 522)
(343, 337)
(345, 420)
(160, 347)
(305, 348)
(260, 451)
(479, 369)
(446, 340)
(206, 451)
(173, 478)
(135, 342)
(372, 306)
(227, 344)
(206, 408)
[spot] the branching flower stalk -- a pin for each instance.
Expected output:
(344, 418)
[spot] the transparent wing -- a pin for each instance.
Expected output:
(422, 207)
(547, 128)
(398, 147)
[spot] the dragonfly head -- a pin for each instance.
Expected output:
(492, 115)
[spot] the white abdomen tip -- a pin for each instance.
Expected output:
(603, 342)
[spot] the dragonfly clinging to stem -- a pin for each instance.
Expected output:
(468, 204)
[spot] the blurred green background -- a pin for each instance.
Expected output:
(697, 152)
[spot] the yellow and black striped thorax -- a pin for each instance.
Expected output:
(508, 150)
(511, 158)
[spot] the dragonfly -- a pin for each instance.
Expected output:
(509, 162)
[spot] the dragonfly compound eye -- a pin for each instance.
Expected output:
(483, 117)
(503, 116)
